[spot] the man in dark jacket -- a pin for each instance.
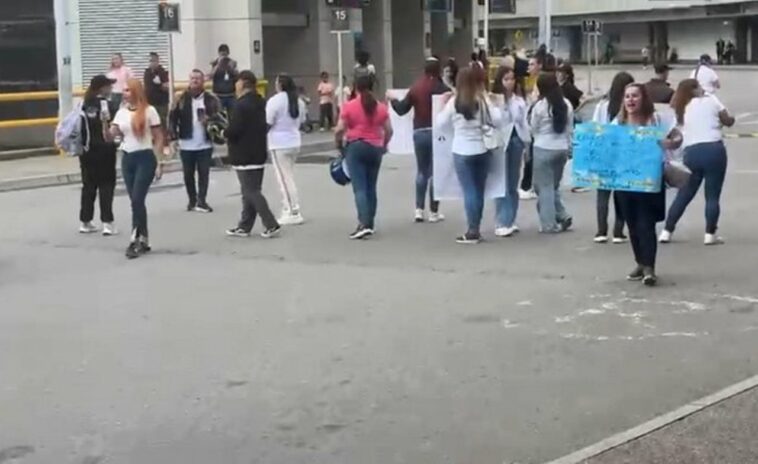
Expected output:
(248, 150)
(188, 123)
(658, 87)
(156, 87)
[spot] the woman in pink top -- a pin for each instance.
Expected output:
(326, 102)
(365, 125)
(121, 74)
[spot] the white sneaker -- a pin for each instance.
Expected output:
(527, 195)
(419, 216)
(713, 239)
(665, 236)
(505, 231)
(109, 229)
(601, 239)
(291, 219)
(436, 217)
(87, 228)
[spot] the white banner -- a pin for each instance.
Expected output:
(446, 184)
(402, 128)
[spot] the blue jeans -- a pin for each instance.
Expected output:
(506, 209)
(547, 175)
(227, 103)
(200, 161)
(363, 163)
(707, 161)
(423, 146)
(472, 171)
(138, 170)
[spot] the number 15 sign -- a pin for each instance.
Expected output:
(168, 17)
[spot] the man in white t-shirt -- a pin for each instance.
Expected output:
(706, 76)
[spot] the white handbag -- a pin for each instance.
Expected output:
(492, 137)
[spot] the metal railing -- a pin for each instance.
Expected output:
(53, 95)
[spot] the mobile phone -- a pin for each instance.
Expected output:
(105, 112)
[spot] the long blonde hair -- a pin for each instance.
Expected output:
(139, 102)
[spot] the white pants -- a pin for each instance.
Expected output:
(284, 167)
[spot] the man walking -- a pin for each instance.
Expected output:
(189, 124)
(720, 47)
(248, 150)
(658, 88)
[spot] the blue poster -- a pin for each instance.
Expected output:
(615, 157)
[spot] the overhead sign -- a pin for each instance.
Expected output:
(592, 26)
(340, 20)
(348, 3)
(168, 17)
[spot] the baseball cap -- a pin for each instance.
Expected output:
(100, 81)
(705, 58)
(661, 68)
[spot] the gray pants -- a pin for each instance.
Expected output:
(253, 201)
(548, 172)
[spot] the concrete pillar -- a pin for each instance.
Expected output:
(464, 32)
(442, 29)
(408, 37)
(378, 40)
(206, 25)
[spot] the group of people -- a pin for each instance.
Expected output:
(525, 116)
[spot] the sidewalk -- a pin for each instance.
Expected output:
(48, 171)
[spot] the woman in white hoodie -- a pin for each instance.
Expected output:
(516, 139)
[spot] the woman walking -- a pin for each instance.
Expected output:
(551, 122)
(364, 125)
(98, 162)
(138, 125)
(419, 99)
(701, 117)
(643, 210)
(605, 112)
(120, 74)
(471, 115)
(284, 114)
(514, 116)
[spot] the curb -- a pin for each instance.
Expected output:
(657, 423)
(310, 154)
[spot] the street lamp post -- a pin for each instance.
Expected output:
(545, 27)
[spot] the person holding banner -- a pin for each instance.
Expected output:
(419, 99)
(365, 125)
(551, 122)
(642, 210)
(517, 138)
(476, 122)
(605, 112)
(701, 116)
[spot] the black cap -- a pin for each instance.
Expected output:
(705, 58)
(248, 77)
(100, 81)
(661, 68)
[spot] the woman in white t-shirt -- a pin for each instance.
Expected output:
(285, 112)
(701, 117)
(138, 126)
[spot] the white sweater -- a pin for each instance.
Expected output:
(467, 134)
(541, 123)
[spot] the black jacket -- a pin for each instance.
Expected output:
(659, 90)
(97, 143)
(247, 132)
(180, 118)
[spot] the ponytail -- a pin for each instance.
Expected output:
(364, 86)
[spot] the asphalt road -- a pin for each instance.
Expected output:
(313, 349)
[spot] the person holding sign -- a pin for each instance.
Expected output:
(551, 122)
(365, 125)
(517, 138)
(476, 123)
(643, 210)
(701, 117)
(419, 99)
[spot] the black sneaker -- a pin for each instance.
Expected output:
(143, 248)
(619, 239)
(237, 232)
(132, 251)
(203, 208)
(361, 232)
(191, 206)
(566, 224)
(272, 232)
(636, 275)
(650, 279)
(469, 238)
